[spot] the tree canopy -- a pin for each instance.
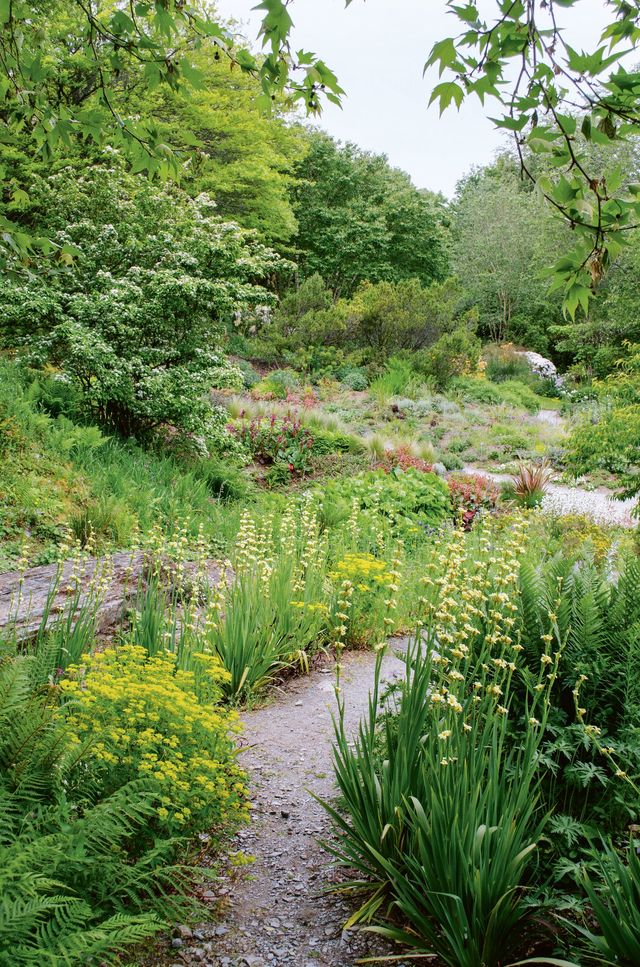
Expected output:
(359, 219)
(68, 70)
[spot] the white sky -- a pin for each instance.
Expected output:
(378, 49)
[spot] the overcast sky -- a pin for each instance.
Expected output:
(378, 49)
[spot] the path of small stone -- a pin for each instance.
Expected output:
(278, 913)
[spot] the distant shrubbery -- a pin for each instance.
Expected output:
(511, 392)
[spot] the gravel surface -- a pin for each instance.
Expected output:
(599, 504)
(276, 912)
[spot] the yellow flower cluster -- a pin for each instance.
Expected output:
(468, 617)
(311, 606)
(145, 718)
(363, 570)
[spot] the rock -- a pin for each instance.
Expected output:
(440, 469)
(285, 813)
(183, 931)
(542, 366)
(177, 943)
(54, 588)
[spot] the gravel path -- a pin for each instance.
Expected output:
(276, 913)
(599, 504)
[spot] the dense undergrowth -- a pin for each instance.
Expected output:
(488, 805)
(269, 371)
(511, 746)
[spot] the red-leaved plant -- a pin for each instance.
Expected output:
(279, 441)
(403, 459)
(470, 494)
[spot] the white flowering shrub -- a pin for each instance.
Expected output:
(137, 317)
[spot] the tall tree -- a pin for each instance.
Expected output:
(69, 69)
(359, 219)
(503, 237)
(239, 154)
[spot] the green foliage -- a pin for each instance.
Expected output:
(359, 219)
(408, 502)
(72, 887)
(391, 316)
(57, 475)
(355, 379)
(615, 901)
(473, 389)
(139, 315)
(511, 392)
(503, 238)
(235, 151)
(395, 380)
(274, 614)
(503, 363)
(431, 818)
(597, 343)
(456, 353)
(609, 438)
(86, 70)
(541, 113)
(279, 383)
(303, 310)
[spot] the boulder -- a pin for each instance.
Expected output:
(542, 366)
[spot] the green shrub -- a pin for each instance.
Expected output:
(355, 379)
(138, 317)
(279, 383)
(475, 390)
(332, 441)
(512, 392)
(451, 461)
(408, 502)
(609, 437)
(250, 376)
(518, 394)
(226, 377)
(455, 353)
(404, 316)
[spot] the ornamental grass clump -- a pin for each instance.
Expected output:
(615, 901)
(274, 613)
(529, 485)
(439, 809)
